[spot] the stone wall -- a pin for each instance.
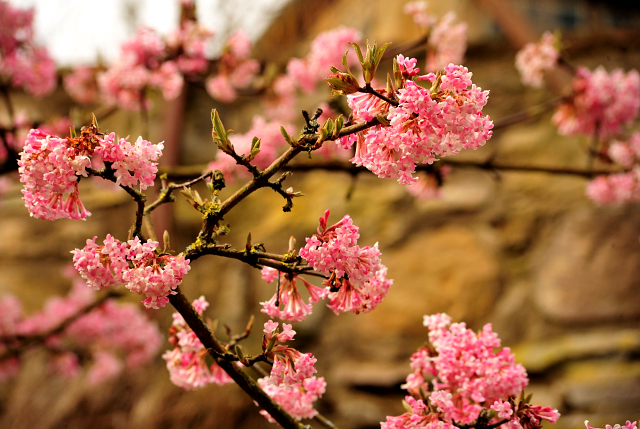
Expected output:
(525, 251)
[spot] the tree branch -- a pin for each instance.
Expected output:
(202, 331)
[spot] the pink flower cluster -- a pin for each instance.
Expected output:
(186, 362)
(22, 62)
(464, 364)
(418, 11)
(290, 367)
(50, 168)
(287, 303)
(357, 279)
(625, 153)
(81, 85)
(447, 42)
(426, 124)
(112, 331)
(326, 50)
(146, 61)
(458, 375)
(236, 71)
(291, 382)
(189, 43)
(535, 58)
(295, 400)
(305, 73)
(601, 103)
(615, 188)
(134, 164)
(142, 64)
(619, 187)
(135, 264)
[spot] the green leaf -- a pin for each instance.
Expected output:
(358, 51)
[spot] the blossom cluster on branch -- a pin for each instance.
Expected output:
(137, 265)
(23, 62)
(74, 330)
(186, 363)
(447, 43)
(424, 124)
(460, 380)
(599, 105)
(51, 167)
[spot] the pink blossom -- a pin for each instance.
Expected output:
(81, 85)
(535, 58)
(468, 374)
(152, 275)
(621, 153)
(326, 50)
(190, 40)
(425, 125)
(168, 79)
(465, 364)
(134, 264)
(143, 63)
(22, 61)
(297, 400)
(367, 106)
(601, 103)
(10, 314)
(66, 365)
(281, 104)
(503, 409)
(290, 367)
(239, 45)
(221, 89)
(120, 329)
(418, 11)
(105, 367)
(625, 153)
(236, 69)
(447, 43)
(101, 266)
(531, 416)
(49, 168)
(357, 279)
(244, 73)
(186, 361)
(615, 188)
(291, 305)
(134, 164)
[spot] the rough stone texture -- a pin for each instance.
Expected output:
(588, 272)
(527, 252)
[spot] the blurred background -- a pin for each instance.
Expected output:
(526, 251)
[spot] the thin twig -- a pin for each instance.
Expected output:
(483, 165)
(262, 180)
(166, 193)
(368, 89)
(109, 174)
